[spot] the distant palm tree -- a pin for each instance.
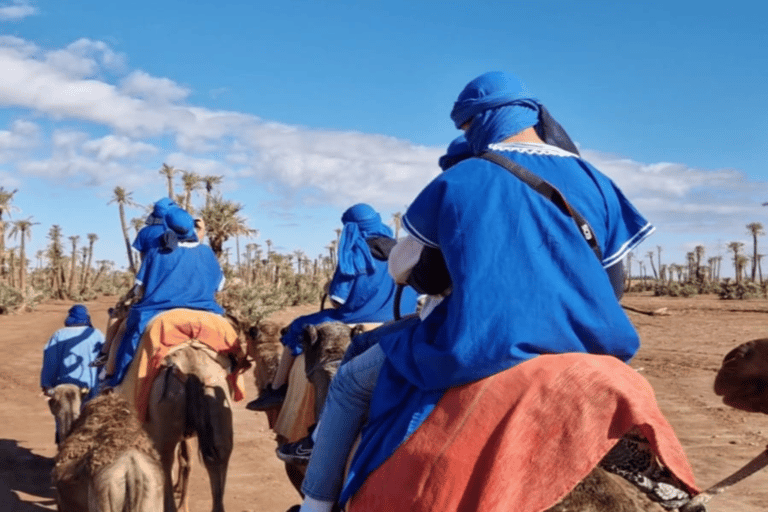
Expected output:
(55, 255)
(24, 229)
(73, 265)
(223, 222)
(168, 171)
(755, 229)
(123, 198)
(92, 237)
(699, 254)
(209, 182)
(191, 181)
(653, 267)
(737, 261)
(6, 196)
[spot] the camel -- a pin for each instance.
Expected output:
(65, 402)
(191, 397)
(742, 380)
(107, 463)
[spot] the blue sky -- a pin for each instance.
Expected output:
(307, 107)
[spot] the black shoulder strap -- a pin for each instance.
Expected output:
(550, 192)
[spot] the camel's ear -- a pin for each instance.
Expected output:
(309, 336)
(357, 329)
(284, 330)
(253, 332)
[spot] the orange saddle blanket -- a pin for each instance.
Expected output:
(522, 439)
(168, 330)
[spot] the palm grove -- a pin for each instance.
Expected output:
(262, 281)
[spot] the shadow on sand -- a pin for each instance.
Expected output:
(25, 479)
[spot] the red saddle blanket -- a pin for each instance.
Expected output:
(522, 439)
(170, 329)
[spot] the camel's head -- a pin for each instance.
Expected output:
(261, 335)
(326, 342)
(743, 377)
(64, 401)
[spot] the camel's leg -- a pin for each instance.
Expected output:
(216, 455)
(184, 460)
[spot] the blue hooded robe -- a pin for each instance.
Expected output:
(181, 273)
(361, 283)
(525, 281)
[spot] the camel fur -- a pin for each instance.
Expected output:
(742, 380)
(107, 463)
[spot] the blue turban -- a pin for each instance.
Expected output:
(78, 315)
(499, 106)
(457, 151)
(159, 209)
(181, 228)
(361, 221)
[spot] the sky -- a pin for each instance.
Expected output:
(308, 107)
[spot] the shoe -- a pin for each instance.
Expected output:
(296, 453)
(269, 399)
(99, 361)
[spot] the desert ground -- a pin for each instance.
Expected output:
(681, 352)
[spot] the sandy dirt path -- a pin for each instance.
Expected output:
(680, 354)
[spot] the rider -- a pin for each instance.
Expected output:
(150, 235)
(69, 352)
(179, 273)
(361, 291)
(524, 282)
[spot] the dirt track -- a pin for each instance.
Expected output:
(680, 355)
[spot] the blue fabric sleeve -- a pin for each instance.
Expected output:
(340, 287)
(48, 375)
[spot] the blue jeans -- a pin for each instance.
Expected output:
(346, 410)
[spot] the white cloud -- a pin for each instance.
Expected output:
(153, 89)
(21, 137)
(16, 10)
(113, 147)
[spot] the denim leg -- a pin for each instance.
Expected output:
(343, 416)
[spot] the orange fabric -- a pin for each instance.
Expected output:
(173, 328)
(298, 410)
(522, 439)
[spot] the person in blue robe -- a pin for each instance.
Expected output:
(150, 235)
(179, 273)
(69, 352)
(524, 281)
(361, 291)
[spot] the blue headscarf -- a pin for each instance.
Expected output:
(457, 151)
(181, 228)
(77, 315)
(499, 106)
(159, 209)
(361, 221)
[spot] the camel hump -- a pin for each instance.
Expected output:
(133, 481)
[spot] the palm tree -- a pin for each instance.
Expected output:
(73, 265)
(209, 182)
(168, 171)
(55, 255)
(191, 182)
(222, 222)
(92, 237)
(755, 229)
(24, 229)
(737, 262)
(699, 253)
(6, 196)
(653, 267)
(123, 198)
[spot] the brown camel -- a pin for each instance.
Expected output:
(65, 401)
(742, 380)
(191, 397)
(108, 463)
